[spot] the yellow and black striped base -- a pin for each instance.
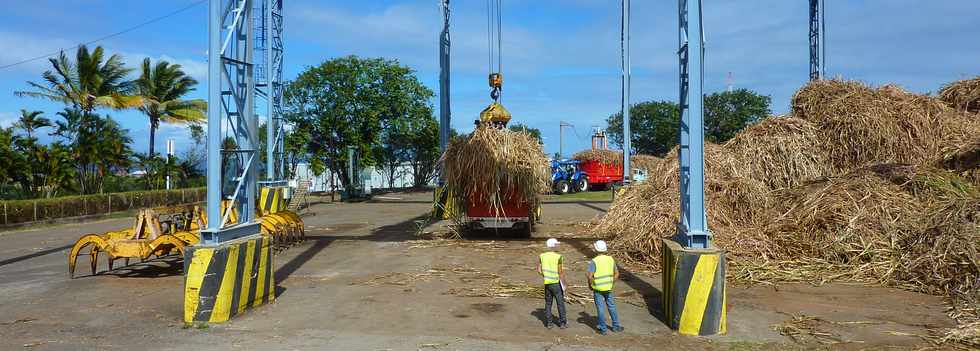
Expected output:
(222, 281)
(272, 199)
(694, 289)
(443, 206)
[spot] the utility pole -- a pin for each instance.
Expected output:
(444, 108)
(170, 156)
(816, 42)
(561, 137)
(625, 47)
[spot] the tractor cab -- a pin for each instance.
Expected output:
(566, 176)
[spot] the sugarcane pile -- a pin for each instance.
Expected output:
(963, 95)
(495, 164)
(646, 162)
(875, 185)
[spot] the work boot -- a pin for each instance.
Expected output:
(617, 329)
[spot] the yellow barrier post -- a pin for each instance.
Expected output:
(272, 199)
(442, 203)
(225, 279)
(694, 295)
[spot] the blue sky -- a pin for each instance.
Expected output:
(560, 57)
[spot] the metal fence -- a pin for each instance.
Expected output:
(39, 210)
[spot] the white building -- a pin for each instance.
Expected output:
(373, 179)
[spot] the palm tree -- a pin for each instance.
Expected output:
(87, 83)
(31, 121)
(160, 88)
(29, 149)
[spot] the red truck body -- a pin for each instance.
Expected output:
(514, 210)
(602, 173)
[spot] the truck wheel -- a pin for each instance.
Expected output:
(563, 188)
(582, 184)
(527, 229)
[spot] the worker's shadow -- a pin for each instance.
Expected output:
(589, 320)
(539, 313)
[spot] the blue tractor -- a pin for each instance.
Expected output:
(566, 177)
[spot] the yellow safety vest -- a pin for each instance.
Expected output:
(602, 279)
(549, 267)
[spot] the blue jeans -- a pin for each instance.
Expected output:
(603, 299)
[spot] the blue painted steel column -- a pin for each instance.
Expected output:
(247, 214)
(214, 115)
(270, 118)
(693, 228)
(444, 109)
(625, 46)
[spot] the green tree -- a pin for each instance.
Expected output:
(31, 122)
(728, 112)
(98, 146)
(11, 160)
(424, 156)
(347, 101)
(89, 82)
(534, 132)
(161, 88)
(197, 153)
(29, 152)
(58, 172)
(295, 144)
(655, 125)
(155, 169)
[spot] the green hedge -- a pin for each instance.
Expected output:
(24, 211)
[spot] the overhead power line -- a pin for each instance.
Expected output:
(124, 31)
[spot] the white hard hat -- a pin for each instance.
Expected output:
(600, 246)
(551, 243)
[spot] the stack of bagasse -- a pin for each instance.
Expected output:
(876, 185)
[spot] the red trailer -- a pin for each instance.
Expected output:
(601, 175)
(515, 213)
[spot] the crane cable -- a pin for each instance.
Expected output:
(494, 43)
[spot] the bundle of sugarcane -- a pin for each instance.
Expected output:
(495, 165)
(602, 156)
(963, 95)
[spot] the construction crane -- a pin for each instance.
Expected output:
(818, 32)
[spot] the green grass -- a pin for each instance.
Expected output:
(605, 195)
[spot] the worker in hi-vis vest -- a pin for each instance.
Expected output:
(550, 268)
(602, 274)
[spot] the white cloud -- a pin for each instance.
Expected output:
(197, 69)
(7, 119)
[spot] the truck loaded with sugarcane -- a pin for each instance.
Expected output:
(494, 176)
